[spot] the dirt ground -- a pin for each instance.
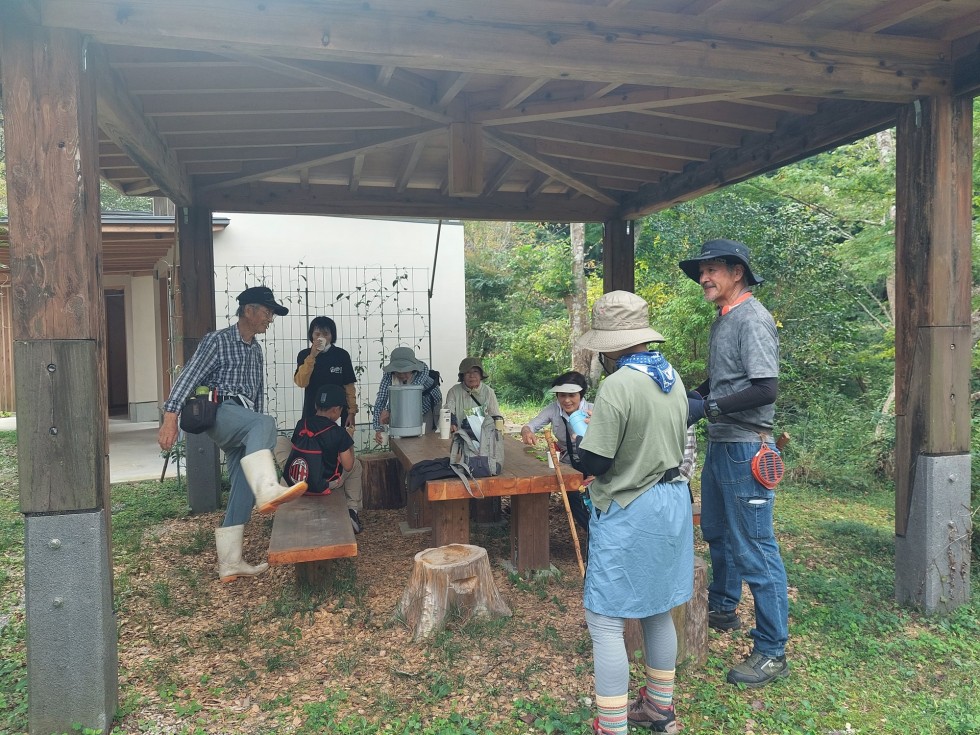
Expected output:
(247, 657)
(248, 651)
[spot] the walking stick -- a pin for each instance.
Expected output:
(568, 509)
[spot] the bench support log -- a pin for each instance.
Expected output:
(381, 482)
(449, 580)
(690, 620)
(529, 532)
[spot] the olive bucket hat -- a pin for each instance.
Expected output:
(730, 251)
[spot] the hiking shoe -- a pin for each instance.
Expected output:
(758, 670)
(355, 520)
(724, 620)
(644, 713)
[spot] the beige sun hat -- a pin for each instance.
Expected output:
(620, 319)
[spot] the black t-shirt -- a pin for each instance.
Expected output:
(332, 442)
(332, 367)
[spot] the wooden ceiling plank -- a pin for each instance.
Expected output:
(251, 103)
(837, 123)
(213, 141)
(120, 119)
(634, 101)
(337, 82)
(893, 13)
(631, 159)
(239, 154)
(336, 120)
(623, 140)
(368, 143)
(723, 115)
(662, 127)
(517, 149)
(550, 39)
(798, 11)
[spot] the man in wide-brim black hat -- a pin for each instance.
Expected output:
(738, 399)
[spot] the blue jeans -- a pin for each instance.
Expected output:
(736, 520)
(239, 431)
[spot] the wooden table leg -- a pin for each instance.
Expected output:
(450, 522)
(529, 533)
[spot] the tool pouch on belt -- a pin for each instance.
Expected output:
(767, 465)
(198, 413)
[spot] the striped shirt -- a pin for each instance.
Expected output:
(226, 362)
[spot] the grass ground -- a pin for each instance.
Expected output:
(200, 657)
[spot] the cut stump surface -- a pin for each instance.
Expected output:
(448, 579)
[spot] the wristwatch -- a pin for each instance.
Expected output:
(711, 410)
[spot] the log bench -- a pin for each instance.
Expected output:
(526, 479)
(311, 532)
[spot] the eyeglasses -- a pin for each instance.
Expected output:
(266, 311)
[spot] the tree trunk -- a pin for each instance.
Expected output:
(578, 302)
(452, 580)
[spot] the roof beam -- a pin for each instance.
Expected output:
(337, 200)
(837, 123)
(540, 39)
(121, 120)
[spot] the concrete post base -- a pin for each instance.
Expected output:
(72, 656)
(203, 473)
(932, 561)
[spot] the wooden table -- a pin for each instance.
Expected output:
(526, 479)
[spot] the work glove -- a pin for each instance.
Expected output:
(695, 407)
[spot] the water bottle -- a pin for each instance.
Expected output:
(577, 421)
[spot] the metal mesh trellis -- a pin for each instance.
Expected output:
(376, 309)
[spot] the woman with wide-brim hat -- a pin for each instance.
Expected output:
(404, 368)
(641, 535)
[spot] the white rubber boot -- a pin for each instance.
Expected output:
(228, 539)
(259, 469)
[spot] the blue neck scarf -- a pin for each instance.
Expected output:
(653, 364)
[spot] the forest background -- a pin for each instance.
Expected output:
(822, 235)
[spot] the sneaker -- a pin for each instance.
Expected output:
(724, 620)
(758, 670)
(355, 520)
(644, 713)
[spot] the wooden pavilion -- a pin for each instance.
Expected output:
(554, 110)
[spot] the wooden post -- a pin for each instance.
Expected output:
(381, 487)
(932, 352)
(59, 355)
(195, 294)
(529, 535)
(618, 258)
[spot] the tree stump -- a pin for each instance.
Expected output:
(690, 620)
(380, 481)
(449, 580)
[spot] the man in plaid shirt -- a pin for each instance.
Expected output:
(229, 362)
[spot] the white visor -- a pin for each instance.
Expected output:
(567, 388)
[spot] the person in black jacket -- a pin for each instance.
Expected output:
(324, 363)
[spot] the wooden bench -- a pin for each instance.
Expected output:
(526, 479)
(311, 532)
